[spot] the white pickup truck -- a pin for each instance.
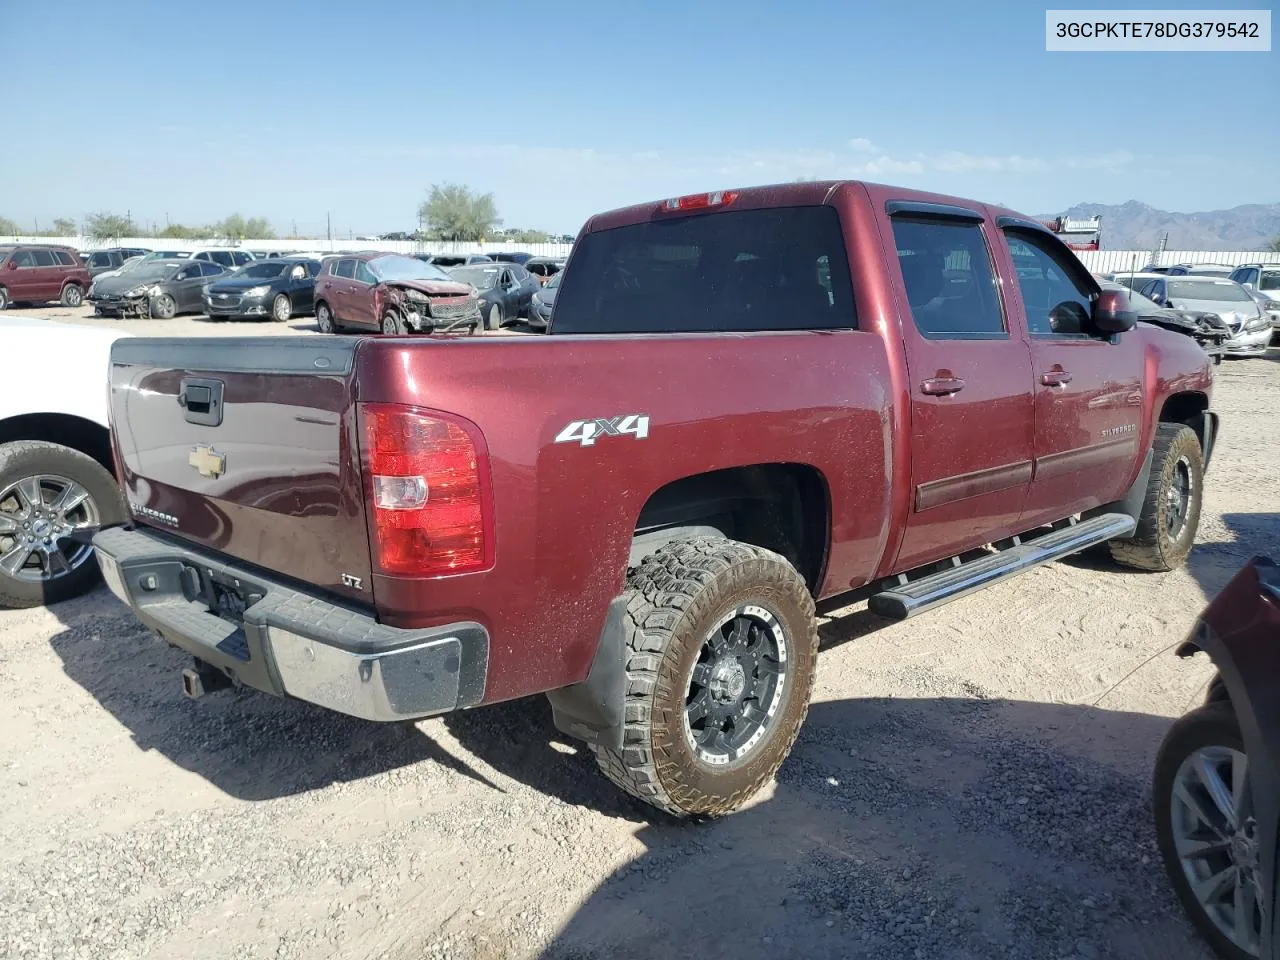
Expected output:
(56, 482)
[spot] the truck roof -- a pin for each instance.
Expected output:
(807, 193)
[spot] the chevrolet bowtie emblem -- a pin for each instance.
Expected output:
(208, 462)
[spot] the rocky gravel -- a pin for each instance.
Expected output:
(971, 784)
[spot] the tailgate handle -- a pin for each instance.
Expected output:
(201, 398)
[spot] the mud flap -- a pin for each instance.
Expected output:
(593, 709)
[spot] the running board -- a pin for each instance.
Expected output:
(909, 598)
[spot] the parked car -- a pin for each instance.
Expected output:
(227, 257)
(544, 268)
(393, 294)
(159, 288)
(506, 290)
(519, 257)
(107, 274)
(1201, 270)
(1205, 329)
(278, 289)
(56, 486)
(101, 261)
(543, 303)
(1250, 326)
(168, 255)
(1216, 788)
(446, 260)
(1262, 280)
(38, 273)
(491, 518)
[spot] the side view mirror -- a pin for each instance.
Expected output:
(1112, 313)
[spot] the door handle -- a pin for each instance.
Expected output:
(942, 386)
(1055, 378)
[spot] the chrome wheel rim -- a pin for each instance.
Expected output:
(282, 308)
(1216, 842)
(323, 320)
(1178, 498)
(38, 515)
(73, 296)
(736, 685)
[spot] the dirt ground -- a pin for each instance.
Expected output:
(971, 784)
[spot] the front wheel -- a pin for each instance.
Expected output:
(392, 324)
(163, 307)
(4, 299)
(281, 308)
(50, 496)
(72, 295)
(324, 318)
(1207, 838)
(1170, 515)
(721, 646)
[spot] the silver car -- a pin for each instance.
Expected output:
(1262, 280)
(1250, 326)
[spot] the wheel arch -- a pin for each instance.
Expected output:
(78, 433)
(784, 507)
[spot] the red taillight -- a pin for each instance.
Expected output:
(426, 475)
(700, 201)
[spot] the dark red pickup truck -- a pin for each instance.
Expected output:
(749, 400)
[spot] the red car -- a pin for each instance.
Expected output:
(38, 273)
(389, 293)
(748, 400)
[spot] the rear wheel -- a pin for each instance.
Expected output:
(48, 494)
(281, 308)
(4, 299)
(324, 318)
(493, 317)
(392, 324)
(1171, 509)
(1206, 835)
(163, 307)
(72, 295)
(721, 647)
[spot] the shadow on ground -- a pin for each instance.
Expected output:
(1214, 564)
(953, 828)
(250, 745)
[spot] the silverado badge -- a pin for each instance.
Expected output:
(208, 462)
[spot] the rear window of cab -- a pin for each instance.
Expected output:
(778, 268)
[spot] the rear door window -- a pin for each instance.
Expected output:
(948, 277)
(780, 268)
(66, 259)
(346, 268)
(364, 274)
(43, 258)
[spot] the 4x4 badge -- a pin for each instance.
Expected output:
(208, 462)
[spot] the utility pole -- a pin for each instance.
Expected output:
(328, 227)
(295, 228)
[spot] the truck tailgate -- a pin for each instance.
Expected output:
(248, 447)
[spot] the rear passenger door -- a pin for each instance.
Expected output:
(363, 301)
(969, 382)
(1088, 389)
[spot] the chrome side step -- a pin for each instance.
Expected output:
(911, 597)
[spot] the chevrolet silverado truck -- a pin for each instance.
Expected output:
(749, 400)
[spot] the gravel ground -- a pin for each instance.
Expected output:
(973, 784)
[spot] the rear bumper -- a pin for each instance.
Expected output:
(290, 643)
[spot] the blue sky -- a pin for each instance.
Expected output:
(292, 110)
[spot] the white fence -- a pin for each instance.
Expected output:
(1109, 261)
(1099, 261)
(305, 245)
